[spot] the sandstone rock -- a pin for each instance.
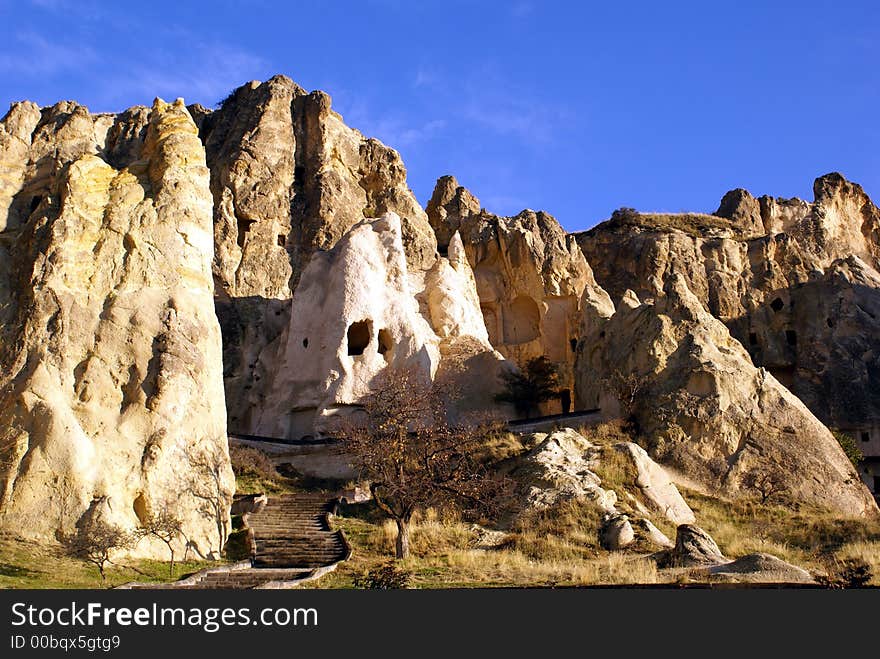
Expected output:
(355, 313)
(650, 535)
(289, 178)
(693, 548)
(795, 282)
(558, 469)
(530, 277)
(111, 398)
(655, 487)
(760, 568)
(704, 407)
(616, 532)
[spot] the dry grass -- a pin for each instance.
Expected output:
(693, 224)
(502, 446)
(809, 538)
(554, 548)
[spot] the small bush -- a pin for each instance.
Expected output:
(383, 577)
(848, 573)
(849, 446)
(247, 461)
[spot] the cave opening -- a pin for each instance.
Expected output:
(358, 338)
(573, 343)
(777, 304)
(306, 342)
(282, 239)
(244, 227)
(385, 342)
(791, 337)
(753, 339)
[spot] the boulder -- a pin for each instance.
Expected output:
(693, 548)
(655, 487)
(559, 469)
(616, 532)
(650, 535)
(760, 568)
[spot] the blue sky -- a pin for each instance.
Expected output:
(574, 108)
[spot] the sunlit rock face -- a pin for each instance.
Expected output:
(288, 179)
(111, 390)
(704, 408)
(795, 282)
(530, 277)
(356, 313)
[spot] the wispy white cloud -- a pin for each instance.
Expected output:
(207, 74)
(35, 55)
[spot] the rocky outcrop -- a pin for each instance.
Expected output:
(355, 313)
(111, 396)
(565, 465)
(695, 549)
(289, 179)
(530, 278)
(655, 488)
(704, 408)
(795, 282)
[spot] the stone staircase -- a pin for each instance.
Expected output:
(292, 531)
(294, 543)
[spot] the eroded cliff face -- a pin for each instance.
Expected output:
(530, 277)
(704, 408)
(111, 394)
(355, 313)
(795, 282)
(288, 178)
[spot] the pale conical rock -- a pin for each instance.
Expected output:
(355, 313)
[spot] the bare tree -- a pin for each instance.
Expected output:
(628, 388)
(206, 467)
(412, 456)
(766, 482)
(95, 540)
(165, 526)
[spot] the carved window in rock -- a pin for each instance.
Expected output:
(282, 239)
(777, 304)
(791, 337)
(386, 344)
(359, 336)
(490, 317)
(522, 321)
(866, 436)
(244, 227)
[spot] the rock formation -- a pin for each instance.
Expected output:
(695, 549)
(795, 282)
(288, 178)
(111, 396)
(355, 313)
(530, 278)
(563, 466)
(704, 408)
